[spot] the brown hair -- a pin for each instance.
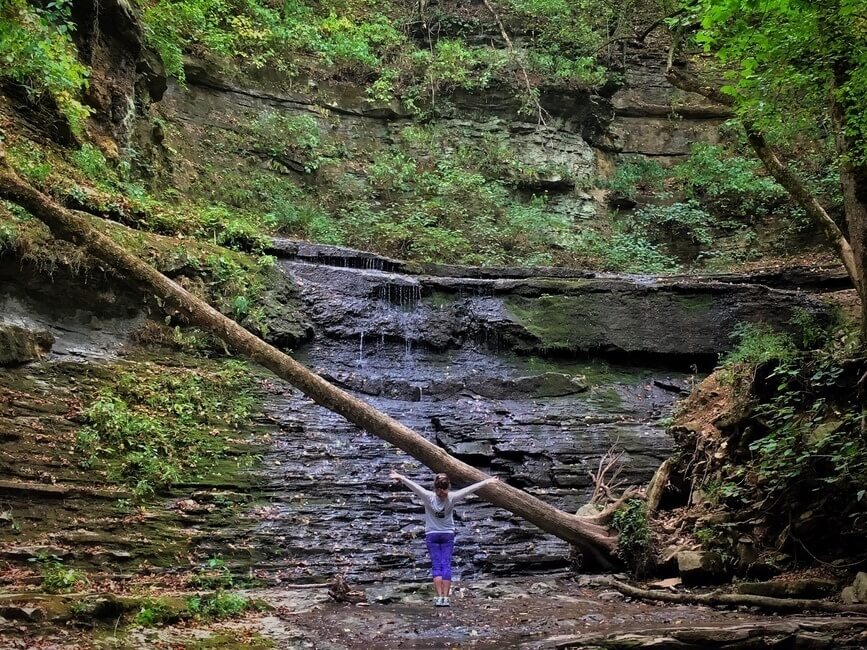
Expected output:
(442, 482)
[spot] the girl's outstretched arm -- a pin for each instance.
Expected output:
(460, 495)
(412, 485)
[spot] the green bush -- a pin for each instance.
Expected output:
(636, 175)
(633, 546)
(730, 184)
(56, 577)
(758, 343)
(93, 164)
(37, 52)
(155, 611)
(679, 221)
(813, 451)
(155, 427)
(220, 605)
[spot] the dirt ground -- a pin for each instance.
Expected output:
(506, 614)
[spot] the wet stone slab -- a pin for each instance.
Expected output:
(328, 505)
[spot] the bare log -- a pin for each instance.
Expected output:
(595, 540)
(721, 599)
(814, 633)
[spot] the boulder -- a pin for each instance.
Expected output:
(701, 567)
(21, 345)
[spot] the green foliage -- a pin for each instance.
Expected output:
(636, 175)
(731, 185)
(260, 35)
(56, 577)
(36, 51)
(621, 251)
(368, 42)
(92, 163)
(564, 38)
(679, 221)
(214, 575)
(758, 343)
(29, 161)
(452, 64)
(784, 61)
(810, 332)
(220, 605)
(157, 426)
(814, 449)
(154, 612)
(289, 137)
(233, 229)
(634, 543)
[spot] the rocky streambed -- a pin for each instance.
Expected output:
(531, 376)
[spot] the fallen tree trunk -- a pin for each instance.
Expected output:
(813, 633)
(590, 535)
(720, 599)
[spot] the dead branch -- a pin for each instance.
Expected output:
(540, 112)
(722, 599)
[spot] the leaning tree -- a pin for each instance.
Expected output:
(592, 535)
(795, 74)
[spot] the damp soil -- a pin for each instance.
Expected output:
(519, 613)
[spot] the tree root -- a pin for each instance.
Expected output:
(814, 633)
(721, 599)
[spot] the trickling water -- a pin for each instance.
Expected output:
(517, 417)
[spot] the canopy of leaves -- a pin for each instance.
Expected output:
(785, 58)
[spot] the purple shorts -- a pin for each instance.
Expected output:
(441, 546)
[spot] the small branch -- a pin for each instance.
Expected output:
(526, 77)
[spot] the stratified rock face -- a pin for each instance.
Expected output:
(85, 317)
(652, 118)
(674, 319)
(20, 345)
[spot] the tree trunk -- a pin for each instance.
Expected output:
(590, 535)
(719, 599)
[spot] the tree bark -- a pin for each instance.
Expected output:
(719, 599)
(816, 633)
(591, 536)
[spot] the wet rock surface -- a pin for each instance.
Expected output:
(21, 344)
(685, 320)
(331, 505)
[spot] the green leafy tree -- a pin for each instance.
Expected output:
(795, 73)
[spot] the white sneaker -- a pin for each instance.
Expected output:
(445, 602)
(438, 601)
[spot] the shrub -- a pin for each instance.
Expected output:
(155, 611)
(636, 175)
(683, 221)
(38, 53)
(56, 577)
(758, 343)
(219, 605)
(729, 183)
(633, 546)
